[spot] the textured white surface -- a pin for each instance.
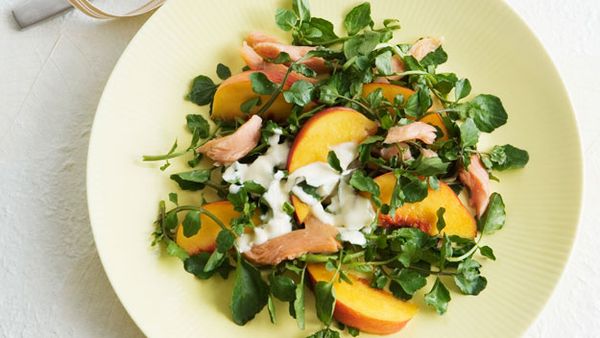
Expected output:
(52, 76)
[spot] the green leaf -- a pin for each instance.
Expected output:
(429, 166)
(438, 297)
(203, 90)
(462, 89)
(445, 82)
(362, 44)
(197, 124)
(415, 190)
(300, 93)
(282, 287)
(469, 134)
(215, 260)
(325, 301)
(176, 251)
(192, 180)
(318, 32)
(288, 208)
(250, 293)
(441, 223)
(468, 278)
(261, 84)
(239, 199)
(299, 302)
(353, 331)
(508, 157)
(285, 19)
(253, 187)
(361, 182)
(358, 18)
(487, 112)
(173, 198)
(171, 220)
(397, 196)
(398, 292)
(225, 240)
(325, 333)
(410, 281)
(435, 58)
(383, 63)
(247, 105)
(486, 251)
(494, 216)
(195, 265)
(445, 250)
(418, 103)
(303, 69)
(191, 223)
(333, 161)
(223, 72)
(271, 308)
(302, 9)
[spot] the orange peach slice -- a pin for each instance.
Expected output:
(367, 309)
(327, 128)
(238, 89)
(423, 214)
(205, 239)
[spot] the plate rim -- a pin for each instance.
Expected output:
(157, 15)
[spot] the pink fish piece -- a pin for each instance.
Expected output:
(477, 180)
(230, 148)
(414, 131)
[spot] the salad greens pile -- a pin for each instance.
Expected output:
(396, 259)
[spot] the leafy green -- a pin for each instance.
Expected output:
(261, 84)
(486, 251)
(325, 301)
(358, 18)
(282, 287)
(410, 281)
(300, 93)
(176, 251)
(246, 106)
(418, 103)
(195, 265)
(223, 72)
(302, 9)
(438, 297)
(508, 157)
(415, 189)
(441, 223)
(250, 293)
(435, 58)
(192, 180)
(197, 124)
(174, 198)
(325, 333)
(469, 134)
(298, 304)
(468, 278)
(285, 19)
(361, 182)
(486, 111)
(462, 89)
(333, 161)
(191, 223)
(271, 309)
(203, 90)
(494, 216)
(225, 240)
(429, 166)
(383, 63)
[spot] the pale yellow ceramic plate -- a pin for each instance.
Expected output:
(143, 108)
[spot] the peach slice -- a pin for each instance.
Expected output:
(363, 307)
(238, 89)
(205, 239)
(423, 215)
(390, 91)
(327, 128)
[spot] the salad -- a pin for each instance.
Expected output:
(343, 164)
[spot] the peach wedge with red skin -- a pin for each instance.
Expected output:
(327, 128)
(423, 214)
(390, 91)
(238, 89)
(363, 307)
(205, 239)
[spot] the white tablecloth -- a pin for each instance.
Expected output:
(51, 77)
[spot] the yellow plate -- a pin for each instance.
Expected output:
(142, 111)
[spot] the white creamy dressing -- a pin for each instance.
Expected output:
(348, 211)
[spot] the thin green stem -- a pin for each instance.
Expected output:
(151, 158)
